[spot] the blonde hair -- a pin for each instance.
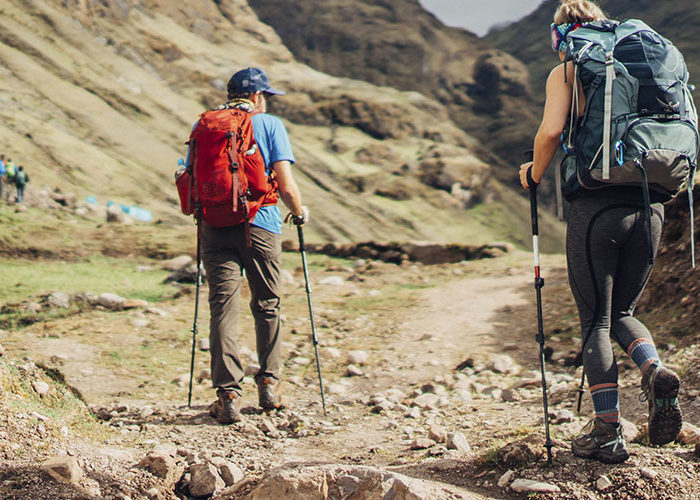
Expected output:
(578, 11)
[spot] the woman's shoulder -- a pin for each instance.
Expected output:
(558, 73)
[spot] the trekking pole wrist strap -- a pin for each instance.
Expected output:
(530, 180)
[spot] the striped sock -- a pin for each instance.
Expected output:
(606, 402)
(643, 353)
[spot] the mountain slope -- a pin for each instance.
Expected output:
(98, 97)
(529, 41)
(400, 44)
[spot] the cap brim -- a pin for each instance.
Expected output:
(274, 91)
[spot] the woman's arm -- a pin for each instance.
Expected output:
(557, 110)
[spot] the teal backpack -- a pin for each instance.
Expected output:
(640, 126)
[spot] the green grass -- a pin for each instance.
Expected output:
(60, 405)
(24, 278)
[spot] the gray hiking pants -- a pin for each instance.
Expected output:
(225, 256)
(607, 253)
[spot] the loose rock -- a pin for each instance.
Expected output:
(330, 353)
(458, 441)
(422, 444)
(427, 401)
(648, 473)
(603, 483)
(503, 364)
(630, 431)
(58, 299)
(134, 304)
(353, 371)
(357, 357)
(205, 480)
(689, 435)
(332, 280)
(177, 263)
(230, 472)
(203, 344)
(163, 466)
(530, 486)
(41, 388)
(437, 434)
(205, 374)
(505, 479)
(563, 417)
(111, 301)
(64, 469)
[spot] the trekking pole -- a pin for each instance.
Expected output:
(302, 250)
(582, 386)
(539, 283)
(196, 308)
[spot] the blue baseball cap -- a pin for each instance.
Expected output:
(251, 80)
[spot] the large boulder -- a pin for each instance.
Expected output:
(345, 481)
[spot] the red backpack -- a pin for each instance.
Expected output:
(225, 182)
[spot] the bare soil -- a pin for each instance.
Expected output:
(416, 323)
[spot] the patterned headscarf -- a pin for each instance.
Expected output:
(559, 33)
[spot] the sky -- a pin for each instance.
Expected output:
(478, 16)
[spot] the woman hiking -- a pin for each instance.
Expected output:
(608, 257)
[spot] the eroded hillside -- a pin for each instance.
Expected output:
(398, 43)
(98, 98)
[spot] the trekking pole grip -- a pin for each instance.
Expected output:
(300, 233)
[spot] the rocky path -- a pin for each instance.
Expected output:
(432, 392)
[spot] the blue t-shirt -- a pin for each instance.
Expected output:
(273, 141)
(274, 145)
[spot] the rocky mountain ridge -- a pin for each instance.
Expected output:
(98, 98)
(398, 43)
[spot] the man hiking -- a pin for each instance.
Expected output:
(3, 171)
(253, 247)
(613, 231)
(9, 179)
(21, 180)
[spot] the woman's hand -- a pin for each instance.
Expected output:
(523, 175)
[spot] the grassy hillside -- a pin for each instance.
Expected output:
(97, 98)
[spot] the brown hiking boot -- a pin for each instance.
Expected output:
(268, 393)
(225, 408)
(660, 387)
(602, 441)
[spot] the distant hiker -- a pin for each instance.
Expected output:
(21, 180)
(627, 152)
(229, 249)
(10, 180)
(3, 171)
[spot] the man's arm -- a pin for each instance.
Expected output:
(289, 191)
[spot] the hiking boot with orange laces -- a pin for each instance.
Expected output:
(660, 387)
(225, 408)
(268, 393)
(602, 441)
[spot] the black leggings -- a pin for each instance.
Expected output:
(607, 251)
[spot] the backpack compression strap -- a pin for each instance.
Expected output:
(607, 120)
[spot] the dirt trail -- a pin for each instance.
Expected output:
(454, 321)
(416, 325)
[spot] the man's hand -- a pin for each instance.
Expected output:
(298, 220)
(523, 175)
